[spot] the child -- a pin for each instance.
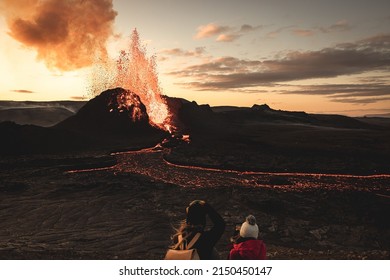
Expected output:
(246, 246)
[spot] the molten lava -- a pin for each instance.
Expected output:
(131, 102)
(134, 71)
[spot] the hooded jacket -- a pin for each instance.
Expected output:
(251, 249)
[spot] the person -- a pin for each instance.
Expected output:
(194, 223)
(246, 245)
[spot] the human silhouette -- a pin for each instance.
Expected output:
(195, 222)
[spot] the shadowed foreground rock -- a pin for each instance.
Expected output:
(107, 214)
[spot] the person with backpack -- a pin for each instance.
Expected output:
(246, 245)
(193, 235)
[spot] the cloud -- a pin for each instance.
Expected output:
(165, 54)
(339, 26)
(227, 37)
(234, 74)
(249, 28)
(353, 100)
(66, 34)
(343, 90)
(78, 98)
(181, 52)
(223, 33)
(276, 32)
(343, 59)
(303, 32)
(218, 66)
(22, 91)
(210, 30)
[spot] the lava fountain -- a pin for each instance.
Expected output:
(137, 73)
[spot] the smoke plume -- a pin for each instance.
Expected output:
(67, 34)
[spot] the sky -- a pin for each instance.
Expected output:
(314, 56)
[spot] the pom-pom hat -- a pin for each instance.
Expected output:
(249, 228)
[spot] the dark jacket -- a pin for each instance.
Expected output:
(250, 249)
(208, 239)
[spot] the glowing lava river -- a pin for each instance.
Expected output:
(150, 162)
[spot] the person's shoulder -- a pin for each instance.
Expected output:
(251, 242)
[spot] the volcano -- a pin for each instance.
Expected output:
(115, 111)
(114, 119)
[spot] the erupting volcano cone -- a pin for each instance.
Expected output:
(113, 112)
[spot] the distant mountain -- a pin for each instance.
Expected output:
(72, 106)
(378, 116)
(190, 117)
(187, 115)
(38, 113)
(265, 114)
(117, 117)
(44, 116)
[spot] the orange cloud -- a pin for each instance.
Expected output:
(67, 35)
(303, 32)
(223, 33)
(22, 91)
(227, 37)
(210, 30)
(79, 98)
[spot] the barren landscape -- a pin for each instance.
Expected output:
(318, 185)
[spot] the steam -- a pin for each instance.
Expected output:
(67, 35)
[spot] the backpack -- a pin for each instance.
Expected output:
(183, 253)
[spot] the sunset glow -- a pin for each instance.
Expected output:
(316, 57)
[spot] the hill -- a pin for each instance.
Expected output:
(102, 123)
(38, 113)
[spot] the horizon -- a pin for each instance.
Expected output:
(314, 57)
(384, 115)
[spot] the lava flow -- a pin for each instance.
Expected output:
(151, 163)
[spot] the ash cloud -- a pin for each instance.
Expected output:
(66, 35)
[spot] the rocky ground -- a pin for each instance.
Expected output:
(125, 206)
(119, 213)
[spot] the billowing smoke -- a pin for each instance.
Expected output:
(67, 34)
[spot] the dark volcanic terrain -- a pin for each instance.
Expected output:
(316, 183)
